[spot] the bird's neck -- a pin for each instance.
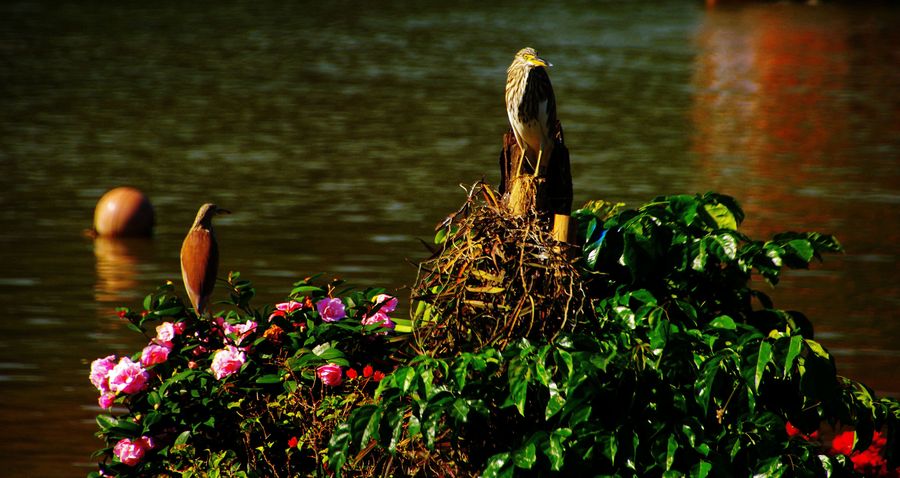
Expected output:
(203, 223)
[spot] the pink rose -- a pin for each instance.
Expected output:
(106, 399)
(128, 377)
(379, 318)
(331, 310)
(240, 331)
(388, 302)
(100, 372)
(155, 353)
(330, 374)
(227, 361)
(285, 308)
(130, 452)
(165, 332)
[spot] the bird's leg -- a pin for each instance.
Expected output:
(521, 160)
(538, 167)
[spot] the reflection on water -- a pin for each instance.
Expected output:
(118, 263)
(795, 119)
(338, 136)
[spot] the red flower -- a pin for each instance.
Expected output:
(293, 442)
(870, 461)
(793, 431)
(843, 443)
(378, 376)
(367, 371)
(122, 313)
(351, 373)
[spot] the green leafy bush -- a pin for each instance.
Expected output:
(645, 351)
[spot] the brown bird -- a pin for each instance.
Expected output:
(531, 106)
(200, 257)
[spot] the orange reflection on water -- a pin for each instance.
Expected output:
(779, 125)
(118, 266)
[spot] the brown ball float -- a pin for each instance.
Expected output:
(123, 212)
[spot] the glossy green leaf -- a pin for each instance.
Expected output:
(405, 378)
(395, 421)
(555, 403)
(721, 215)
(671, 448)
(106, 422)
(371, 429)
(415, 426)
(307, 291)
(266, 379)
(498, 467)
(723, 322)
(701, 469)
(554, 450)
(460, 410)
(794, 348)
(762, 360)
(526, 456)
(183, 437)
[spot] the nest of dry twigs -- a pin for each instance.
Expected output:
(497, 277)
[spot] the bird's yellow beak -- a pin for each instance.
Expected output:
(535, 61)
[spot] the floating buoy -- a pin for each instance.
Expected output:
(123, 212)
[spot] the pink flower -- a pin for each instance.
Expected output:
(227, 361)
(330, 374)
(128, 377)
(285, 308)
(155, 353)
(331, 310)
(379, 318)
(239, 331)
(388, 302)
(100, 372)
(165, 332)
(106, 399)
(131, 452)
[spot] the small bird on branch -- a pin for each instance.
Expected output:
(531, 106)
(200, 258)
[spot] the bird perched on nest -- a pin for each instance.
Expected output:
(531, 106)
(200, 257)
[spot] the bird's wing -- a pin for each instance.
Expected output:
(199, 264)
(551, 104)
(546, 113)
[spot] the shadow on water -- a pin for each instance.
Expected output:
(339, 134)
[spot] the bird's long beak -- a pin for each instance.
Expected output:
(222, 211)
(540, 62)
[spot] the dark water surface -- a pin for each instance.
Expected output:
(338, 134)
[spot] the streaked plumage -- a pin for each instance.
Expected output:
(200, 258)
(531, 105)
